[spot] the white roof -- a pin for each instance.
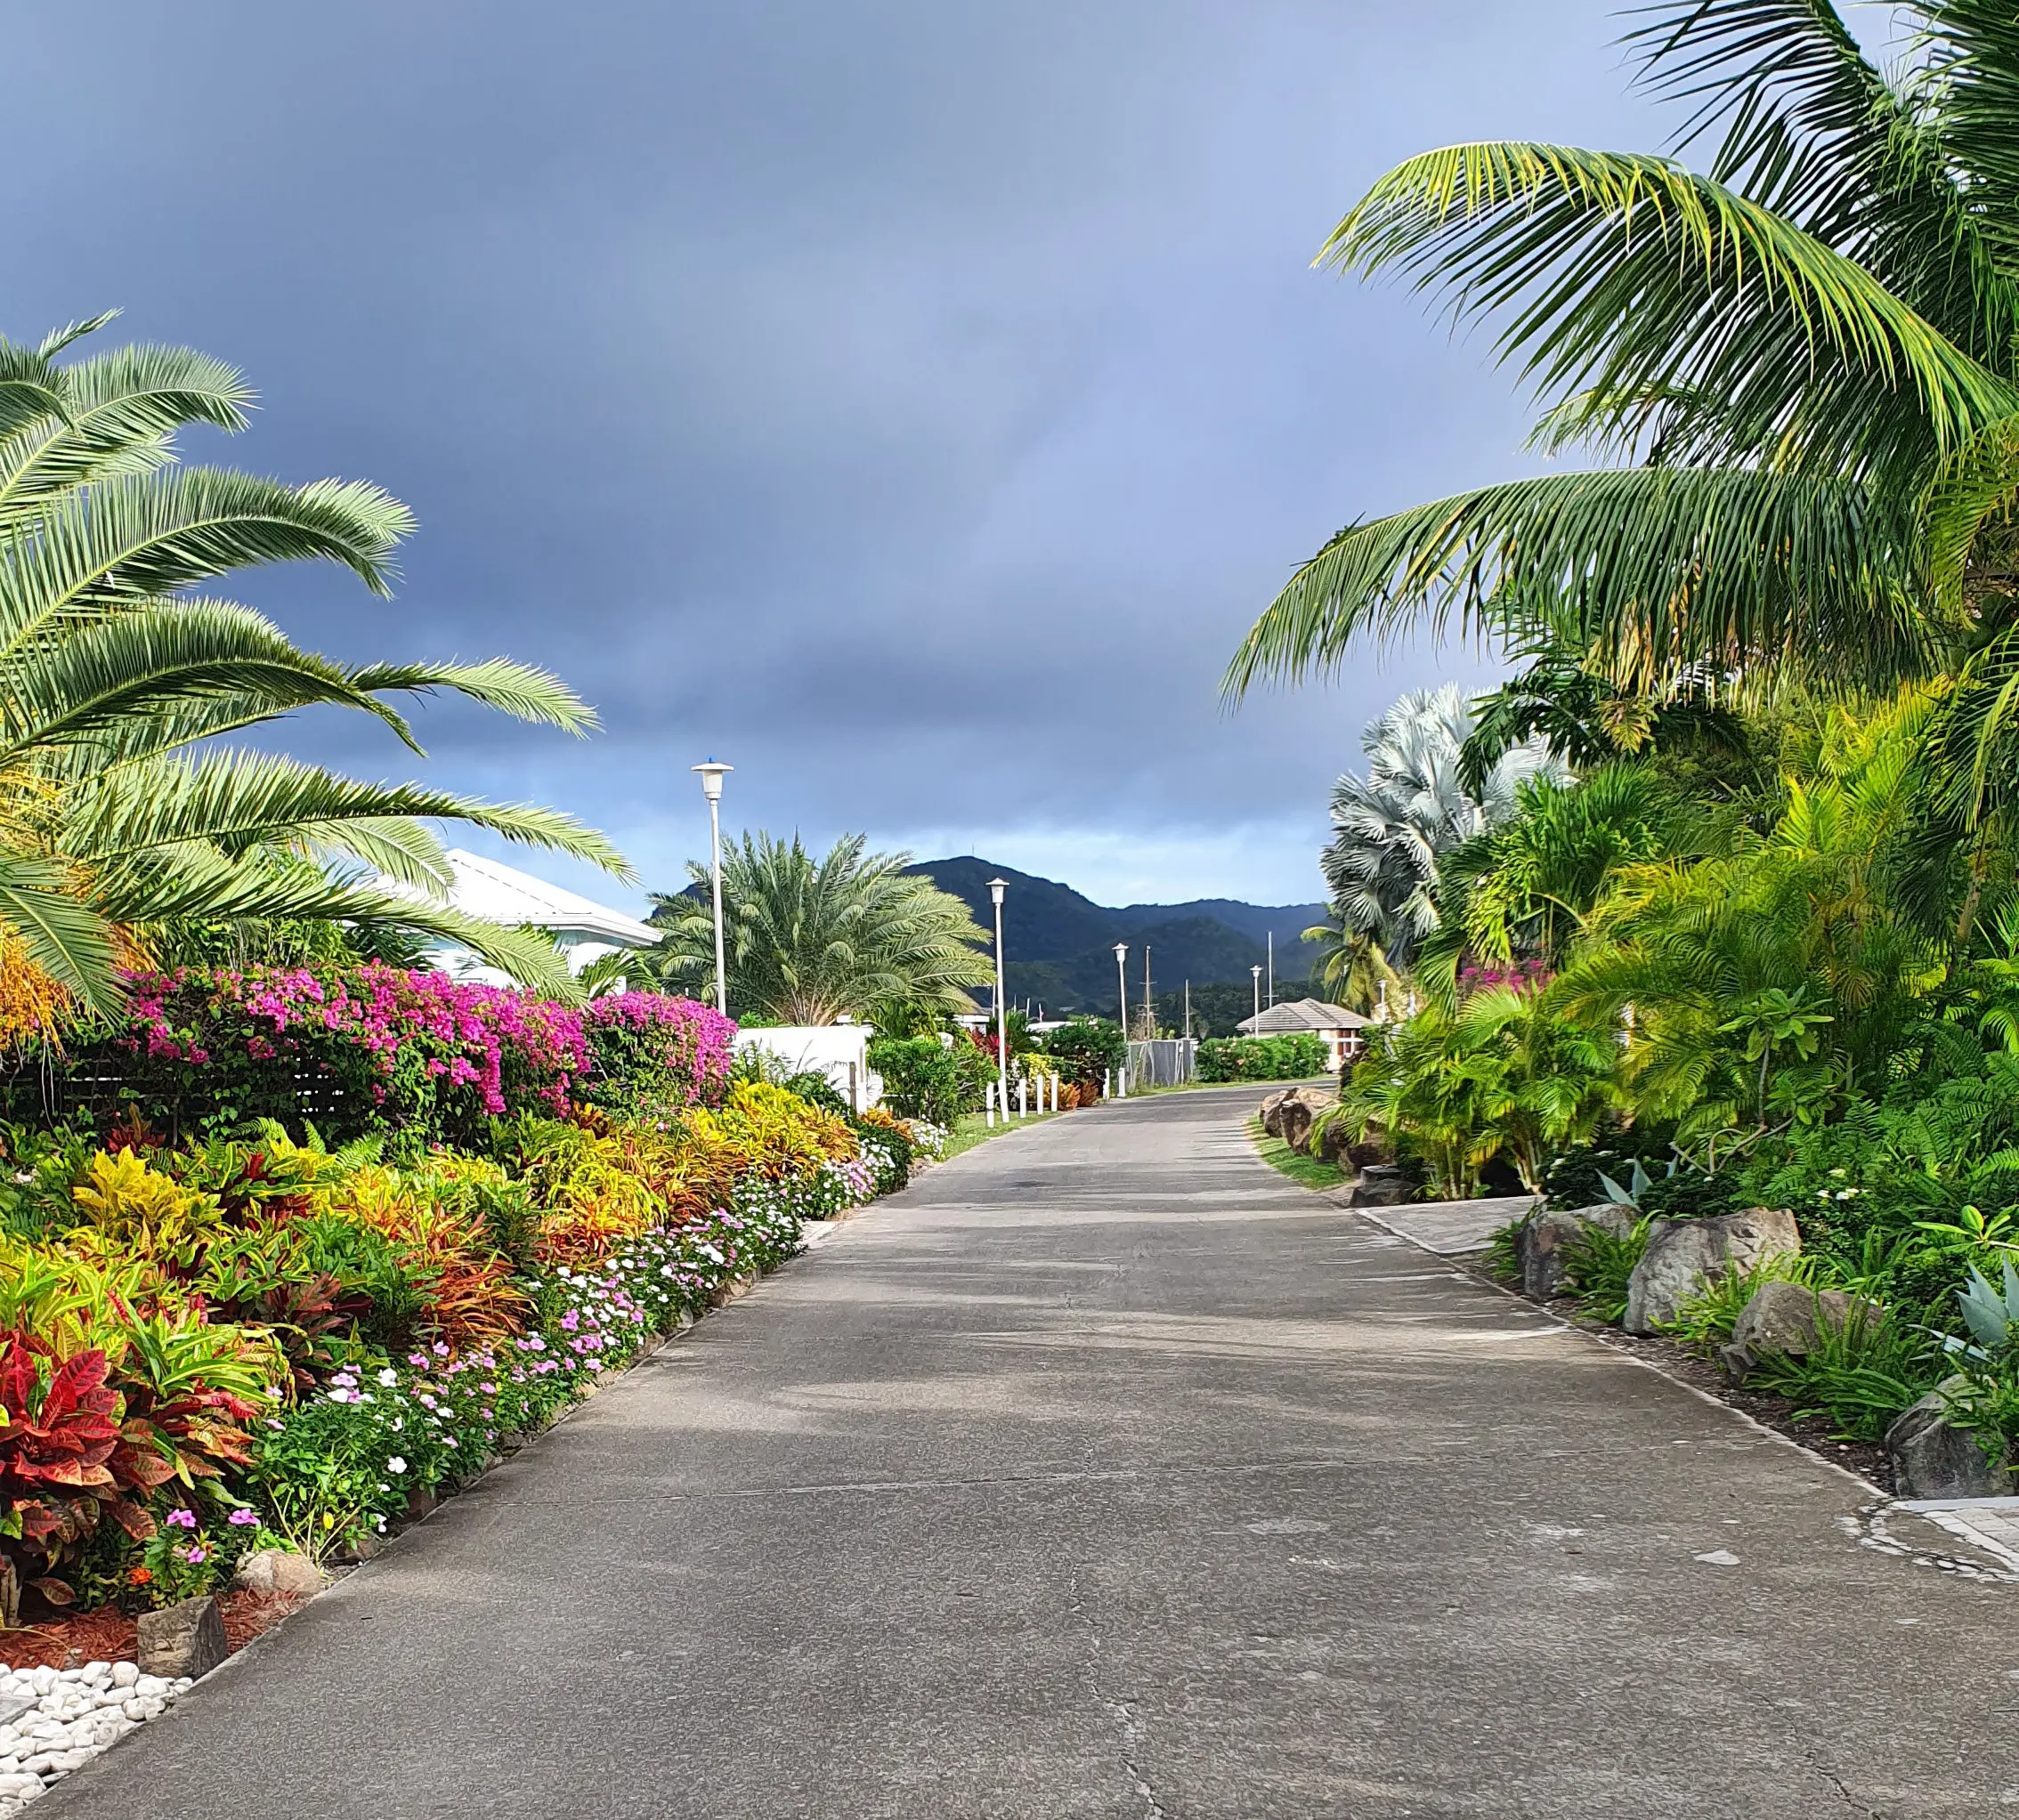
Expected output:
(499, 893)
(1303, 1013)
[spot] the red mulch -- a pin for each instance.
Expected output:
(108, 1635)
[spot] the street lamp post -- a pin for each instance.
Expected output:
(1121, 980)
(711, 776)
(996, 887)
(1256, 971)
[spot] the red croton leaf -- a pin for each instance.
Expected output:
(37, 1519)
(132, 1519)
(58, 1592)
(75, 1378)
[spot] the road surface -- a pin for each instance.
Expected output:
(1106, 1473)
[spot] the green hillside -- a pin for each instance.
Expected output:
(1061, 944)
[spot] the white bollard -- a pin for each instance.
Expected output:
(1106, 1083)
(988, 1105)
(1023, 1097)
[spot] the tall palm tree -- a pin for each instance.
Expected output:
(810, 941)
(1390, 826)
(119, 673)
(1801, 361)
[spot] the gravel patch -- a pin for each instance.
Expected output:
(55, 1720)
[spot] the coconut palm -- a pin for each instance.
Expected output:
(810, 940)
(119, 673)
(1800, 359)
(1390, 826)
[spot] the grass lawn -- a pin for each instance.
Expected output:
(1307, 1171)
(972, 1128)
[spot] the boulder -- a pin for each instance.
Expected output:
(1783, 1317)
(1540, 1244)
(1683, 1255)
(1382, 1184)
(1334, 1146)
(1272, 1112)
(1613, 1216)
(278, 1570)
(1934, 1456)
(181, 1639)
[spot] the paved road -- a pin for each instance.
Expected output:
(1104, 1473)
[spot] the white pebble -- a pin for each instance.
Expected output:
(125, 1673)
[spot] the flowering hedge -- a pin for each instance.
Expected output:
(258, 1341)
(371, 1048)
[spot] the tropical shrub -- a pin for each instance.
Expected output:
(1295, 1056)
(1087, 1050)
(923, 1078)
(370, 1048)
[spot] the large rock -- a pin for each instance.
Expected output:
(1382, 1184)
(1785, 1318)
(1614, 1217)
(1293, 1111)
(1685, 1255)
(1334, 1145)
(1540, 1244)
(1934, 1456)
(278, 1570)
(181, 1639)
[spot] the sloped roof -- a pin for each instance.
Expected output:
(500, 893)
(1303, 1013)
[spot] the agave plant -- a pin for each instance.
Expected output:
(118, 672)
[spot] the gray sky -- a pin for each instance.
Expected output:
(911, 403)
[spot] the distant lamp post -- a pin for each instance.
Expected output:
(1257, 971)
(1121, 980)
(711, 776)
(996, 887)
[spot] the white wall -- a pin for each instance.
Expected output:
(841, 1051)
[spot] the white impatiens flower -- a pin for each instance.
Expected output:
(396, 1464)
(388, 1376)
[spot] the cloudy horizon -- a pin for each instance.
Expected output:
(912, 405)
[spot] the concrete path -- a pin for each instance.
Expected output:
(1106, 1473)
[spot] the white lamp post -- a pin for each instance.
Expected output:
(1256, 971)
(711, 776)
(1121, 980)
(996, 887)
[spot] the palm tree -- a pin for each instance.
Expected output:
(811, 941)
(119, 813)
(1390, 826)
(1800, 359)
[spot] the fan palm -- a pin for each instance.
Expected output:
(1801, 359)
(810, 940)
(117, 673)
(1390, 826)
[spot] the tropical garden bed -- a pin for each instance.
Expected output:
(225, 1331)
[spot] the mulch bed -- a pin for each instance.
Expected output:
(107, 1635)
(1867, 1459)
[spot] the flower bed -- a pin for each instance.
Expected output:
(259, 1340)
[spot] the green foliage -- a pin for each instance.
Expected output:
(1859, 1374)
(1600, 1266)
(923, 1078)
(1088, 1048)
(1707, 1317)
(1295, 1056)
(1502, 1076)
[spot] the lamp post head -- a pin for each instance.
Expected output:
(711, 776)
(996, 887)
(1120, 950)
(1256, 971)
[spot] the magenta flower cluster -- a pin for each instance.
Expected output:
(1522, 976)
(510, 1047)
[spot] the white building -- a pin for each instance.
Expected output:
(583, 929)
(1340, 1028)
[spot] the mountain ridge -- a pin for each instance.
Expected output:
(1059, 943)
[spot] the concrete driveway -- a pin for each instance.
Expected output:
(1106, 1473)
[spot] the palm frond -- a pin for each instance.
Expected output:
(1663, 569)
(66, 938)
(1640, 283)
(518, 690)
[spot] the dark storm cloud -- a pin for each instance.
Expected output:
(911, 402)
